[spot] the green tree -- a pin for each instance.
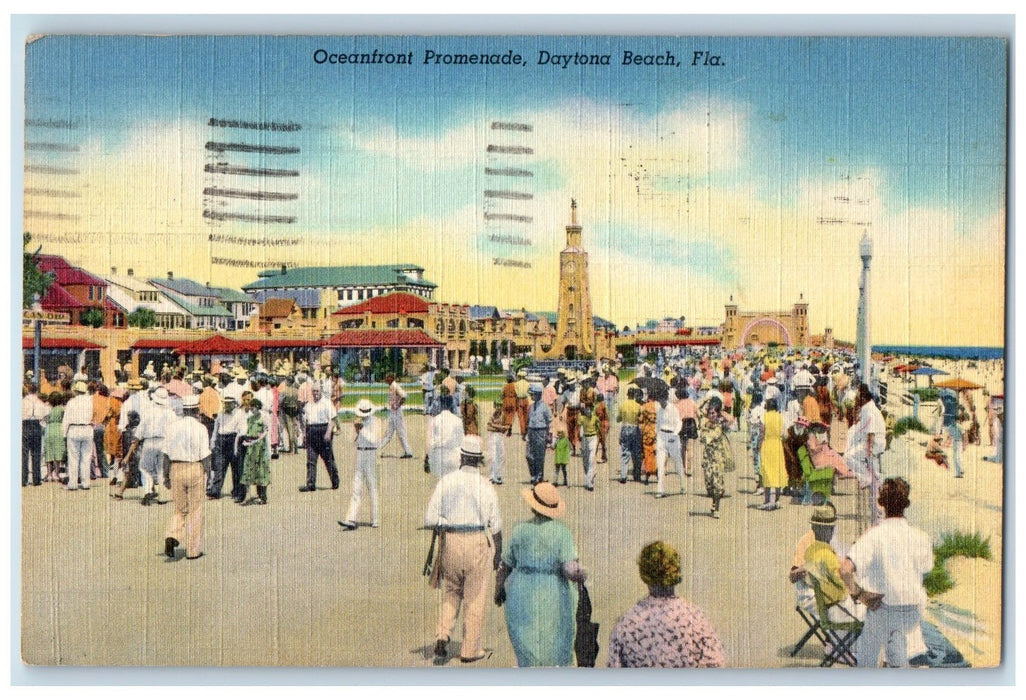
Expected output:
(92, 317)
(33, 281)
(142, 318)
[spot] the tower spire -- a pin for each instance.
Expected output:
(573, 212)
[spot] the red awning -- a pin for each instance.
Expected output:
(398, 338)
(218, 344)
(61, 344)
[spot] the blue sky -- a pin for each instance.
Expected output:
(734, 167)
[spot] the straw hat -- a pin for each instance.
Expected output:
(522, 373)
(238, 372)
(190, 402)
(472, 447)
(364, 408)
(160, 396)
(825, 514)
(535, 389)
(134, 385)
(79, 387)
(544, 499)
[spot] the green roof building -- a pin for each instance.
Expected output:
(349, 284)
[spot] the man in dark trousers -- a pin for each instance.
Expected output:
(222, 445)
(318, 418)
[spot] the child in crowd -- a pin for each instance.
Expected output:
(562, 456)
(128, 467)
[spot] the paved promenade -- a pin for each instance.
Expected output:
(283, 584)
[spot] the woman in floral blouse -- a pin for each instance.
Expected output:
(662, 630)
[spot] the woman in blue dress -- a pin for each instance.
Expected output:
(538, 583)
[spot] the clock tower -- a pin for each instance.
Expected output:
(575, 326)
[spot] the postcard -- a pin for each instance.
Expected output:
(422, 351)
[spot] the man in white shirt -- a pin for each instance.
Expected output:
(77, 428)
(867, 440)
(319, 419)
(802, 379)
(464, 512)
(368, 440)
(396, 423)
(884, 569)
(234, 389)
(668, 427)
(444, 440)
(154, 426)
(229, 421)
(186, 446)
(33, 413)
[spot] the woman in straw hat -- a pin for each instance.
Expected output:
(538, 566)
(662, 630)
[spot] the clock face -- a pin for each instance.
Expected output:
(570, 267)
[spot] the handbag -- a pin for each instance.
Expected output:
(586, 644)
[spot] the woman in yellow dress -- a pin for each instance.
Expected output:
(771, 457)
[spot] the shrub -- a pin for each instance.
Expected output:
(937, 580)
(953, 544)
(908, 423)
(959, 543)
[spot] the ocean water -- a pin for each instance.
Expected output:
(961, 352)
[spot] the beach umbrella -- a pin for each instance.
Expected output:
(927, 371)
(958, 384)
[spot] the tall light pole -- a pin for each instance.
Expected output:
(862, 343)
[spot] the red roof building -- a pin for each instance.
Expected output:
(75, 291)
(398, 303)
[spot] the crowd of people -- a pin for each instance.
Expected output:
(806, 423)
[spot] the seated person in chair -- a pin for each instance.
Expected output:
(816, 557)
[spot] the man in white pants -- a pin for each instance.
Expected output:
(668, 427)
(155, 425)
(188, 449)
(368, 439)
(77, 428)
(396, 422)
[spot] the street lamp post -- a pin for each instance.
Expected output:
(862, 342)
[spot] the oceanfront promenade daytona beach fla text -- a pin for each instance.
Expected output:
(509, 57)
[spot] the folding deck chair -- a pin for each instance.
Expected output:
(840, 636)
(813, 631)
